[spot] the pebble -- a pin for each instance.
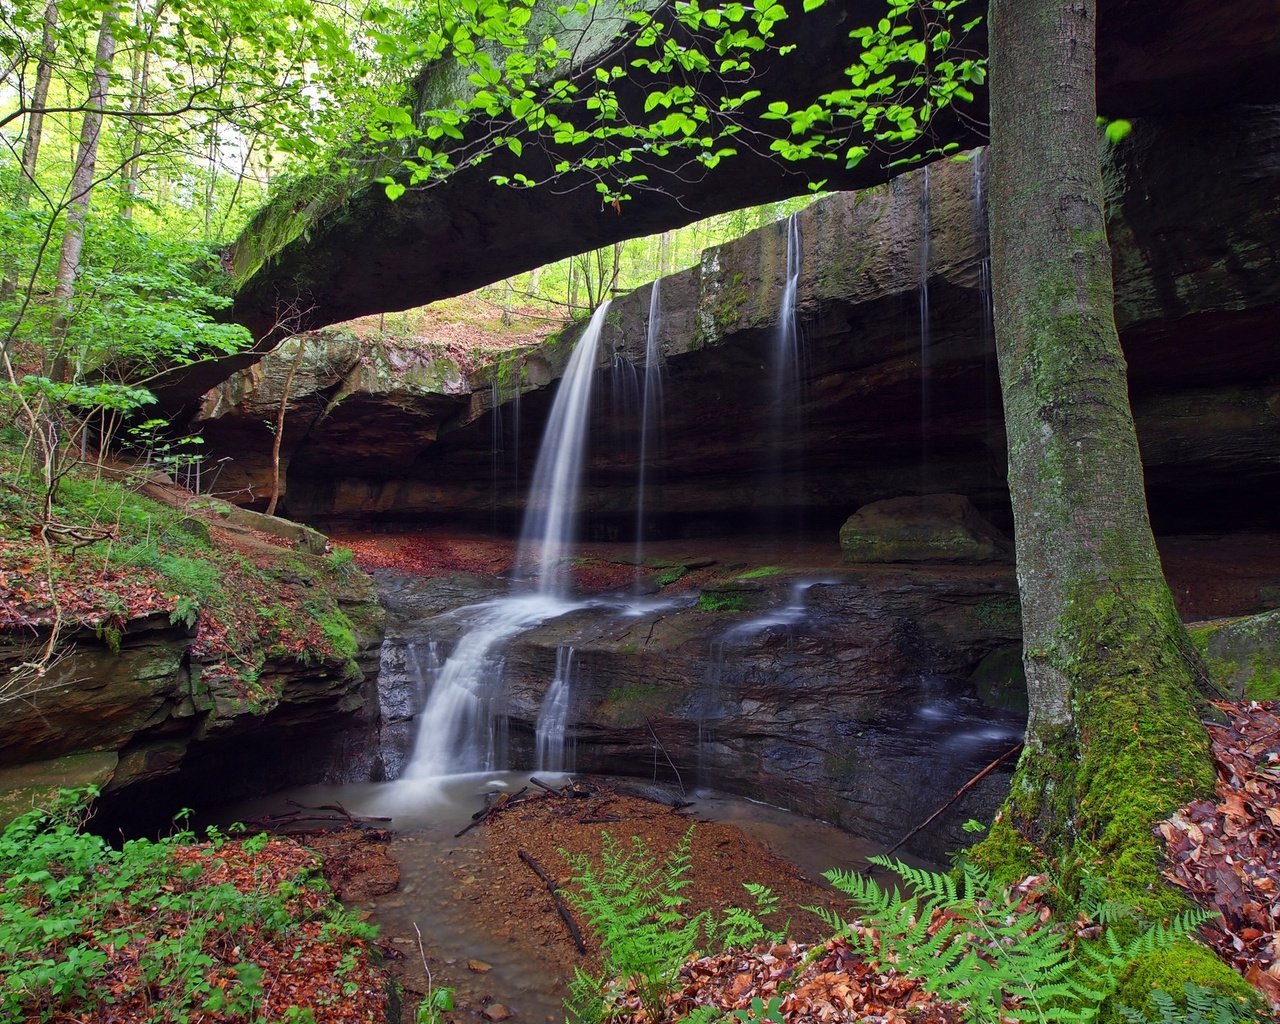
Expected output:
(495, 1011)
(479, 966)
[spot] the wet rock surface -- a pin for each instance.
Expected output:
(843, 695)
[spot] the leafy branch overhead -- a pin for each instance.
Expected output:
(607, 91)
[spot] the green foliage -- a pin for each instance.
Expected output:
(717, 601)
(968, 940)
(1199, 1005)
(58, 920)
(636, 907)
(432, 1009)
(669, 576)
(760, 572)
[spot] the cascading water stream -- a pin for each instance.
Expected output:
(550, 732)
(650, 412)
(462, 727)
(549, 520)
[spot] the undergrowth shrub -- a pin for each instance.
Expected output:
(70, 902)
(968, 940)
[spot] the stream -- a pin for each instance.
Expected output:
(442, 875)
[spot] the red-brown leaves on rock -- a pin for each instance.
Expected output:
(1227, 855)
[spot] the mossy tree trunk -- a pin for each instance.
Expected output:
(1114, 740)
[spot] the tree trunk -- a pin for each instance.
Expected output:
(81, 188)
(1114, 740)
(35, 127)
(278, 439)
(36, 103)
(139, 84)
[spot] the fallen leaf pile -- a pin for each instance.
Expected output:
(1226, 855)
(823, 984)
(439, 554)
(88, 591)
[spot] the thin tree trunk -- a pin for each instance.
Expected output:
(1114, 739)
(278, 440)
(39, 96)
(81, 188)
(138, 88)
(35, 127)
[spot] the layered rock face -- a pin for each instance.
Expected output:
(845, 696)
(155, 726)
(898, 388)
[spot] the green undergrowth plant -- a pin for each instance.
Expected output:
(969, 940)
(1199, 1005)
(637, 907)
(75, 912)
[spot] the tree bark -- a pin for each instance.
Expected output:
(35, 127)
(81, 189)
(36, 103)
(1114, 740)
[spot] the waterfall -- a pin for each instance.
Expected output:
(463, 726)
(787, 345)
(786, 469)
(548, 530)
(650, 412)
(923, 287)
(553, 752)
(495, 446)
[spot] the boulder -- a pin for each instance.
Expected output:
(1243, 655)
(930, 528)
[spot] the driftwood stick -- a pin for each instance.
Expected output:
(957, 795)
(679, 781)
(483, 816)
(336, 807)
(561, 908)
(542, 785)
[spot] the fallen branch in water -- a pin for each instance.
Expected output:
(957, 795)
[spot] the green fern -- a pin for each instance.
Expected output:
(985, 951)
(1202, 1006)
(636, 907)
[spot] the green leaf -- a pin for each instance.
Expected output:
(1118, 131)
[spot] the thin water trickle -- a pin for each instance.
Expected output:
(650, 414)
(988, 340)
(554, 751)
(710, 705)
(786, 469)
(462, 728)
(495, 446)
(926, 368)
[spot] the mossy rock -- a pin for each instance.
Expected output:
(1001, 680)
(1169, 970)
(1243, 655)
(30, 785)
(929, 528)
